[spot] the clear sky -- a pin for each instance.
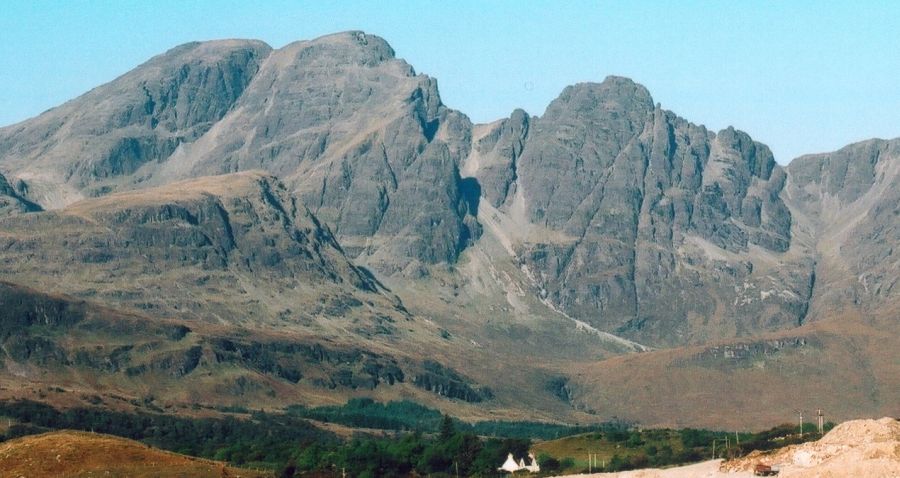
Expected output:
(800, 76)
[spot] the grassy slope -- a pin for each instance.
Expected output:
(77, 454)
(848, 366)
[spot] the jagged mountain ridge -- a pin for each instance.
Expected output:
(639, 222)
(621, 198)
(605, 215)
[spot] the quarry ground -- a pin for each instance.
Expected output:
(869, 448)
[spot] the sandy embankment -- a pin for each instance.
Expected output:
(857, 448)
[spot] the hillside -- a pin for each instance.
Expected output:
(324, 227)
(79, 454)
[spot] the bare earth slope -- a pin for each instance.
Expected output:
(854, 448)
(844, 365)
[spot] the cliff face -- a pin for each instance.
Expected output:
(849, 202)
(362, 138)
(642, 223)
(212, 248)
(95, 143)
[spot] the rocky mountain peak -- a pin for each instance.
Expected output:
(351, 47)
(96, 143)
(616, 96)
(745, 153)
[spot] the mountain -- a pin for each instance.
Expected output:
(204, 235)
(850, 204)
(641, 223)
(569, 266)
(365, 141)
(86, 146)
(226, 289)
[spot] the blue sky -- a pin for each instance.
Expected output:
(799, 76)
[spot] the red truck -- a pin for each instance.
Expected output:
(764, 470)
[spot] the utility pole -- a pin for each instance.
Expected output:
(820, 415)
(714, 449)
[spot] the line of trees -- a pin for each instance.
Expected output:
(449, 452)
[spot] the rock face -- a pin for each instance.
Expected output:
(96, 142)
(12, 202)
(364, 140)
(639, 222)
(228, 183)
(850, 203)
(210, 248)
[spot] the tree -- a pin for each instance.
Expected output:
(548, 463)
(289, 469)
(447, 429)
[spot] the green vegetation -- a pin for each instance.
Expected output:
(626, 449)
(424, 443)
(410, 416)
(266, 440)
(367, 413)
(449, 452)
(285, 443)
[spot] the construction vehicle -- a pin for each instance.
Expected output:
(764, 470)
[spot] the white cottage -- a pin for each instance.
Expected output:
(510, 465)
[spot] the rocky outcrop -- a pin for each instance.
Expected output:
(95, 143)
(364, 140)
(210, 248)
(76, 337)
(850, 204)
(11, 200)
(446, 382)
(637, 221)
